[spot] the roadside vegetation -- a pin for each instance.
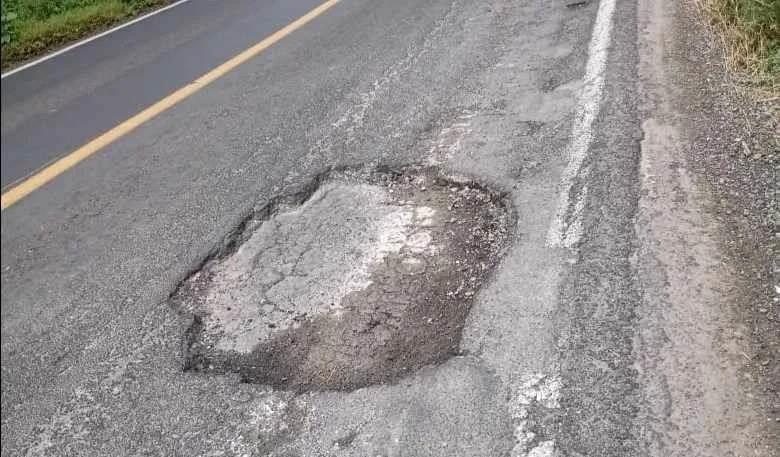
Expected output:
(750, 30)
(32, 27)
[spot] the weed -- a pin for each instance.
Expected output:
(32, 27)
(750, 30)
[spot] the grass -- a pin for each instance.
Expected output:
(33, 27)
(750, 30)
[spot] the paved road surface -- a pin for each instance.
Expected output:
(599, 334)
(99, 85)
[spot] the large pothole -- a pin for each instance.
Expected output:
(367, 277)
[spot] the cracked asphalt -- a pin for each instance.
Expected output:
(626, 342)
(364, 279)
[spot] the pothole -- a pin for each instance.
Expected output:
(362, 279)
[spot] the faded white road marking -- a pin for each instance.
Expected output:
(563, 233)
(543, 449)
(266, 420)
(540, 390)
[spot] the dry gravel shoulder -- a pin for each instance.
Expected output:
(716, 152)
(736, 151)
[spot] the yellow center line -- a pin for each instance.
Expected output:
(58, 167)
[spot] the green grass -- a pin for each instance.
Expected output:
(751, 34)
(33, 27)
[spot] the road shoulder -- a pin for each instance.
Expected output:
(708, 327)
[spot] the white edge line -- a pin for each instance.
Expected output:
(588, 107)
(89, 39)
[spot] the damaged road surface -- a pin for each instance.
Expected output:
(368, 278)
(405, 228)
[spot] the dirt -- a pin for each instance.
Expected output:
(738, 154)
(721, 147)
(367, 279)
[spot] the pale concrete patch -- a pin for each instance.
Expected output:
(353, 227)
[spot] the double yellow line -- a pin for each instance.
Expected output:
(60, 166)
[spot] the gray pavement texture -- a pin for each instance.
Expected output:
(622, 345)
(111, 79)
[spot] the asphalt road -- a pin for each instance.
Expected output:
(110, 79)
(573, 348)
